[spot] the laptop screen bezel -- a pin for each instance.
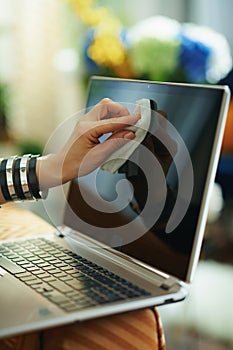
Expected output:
(201, 222)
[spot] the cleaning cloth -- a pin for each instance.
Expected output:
(121, 155)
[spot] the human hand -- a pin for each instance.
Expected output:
(83, 152)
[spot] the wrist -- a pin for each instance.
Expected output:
(48, 172)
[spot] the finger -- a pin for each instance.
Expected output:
(106, 109)
(124, 134)
(107, 126)
(163, 113)
(101, 152)
(114, 142)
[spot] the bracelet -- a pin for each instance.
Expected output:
(3, 181)
(18, 180)
(32, 179)
(1, 159)
(23, 171)
(9, 176)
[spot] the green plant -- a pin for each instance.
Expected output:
(3, 111)
(28, 146)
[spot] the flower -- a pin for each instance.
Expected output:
(194, 56)
(153, 47)
(157, 48)
(161, 48)
(209, 53)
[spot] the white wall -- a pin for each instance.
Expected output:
(139, 9)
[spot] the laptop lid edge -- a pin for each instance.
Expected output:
(197, 244)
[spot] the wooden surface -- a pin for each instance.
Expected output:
(227, 146)
(19, 222)
(138, 330)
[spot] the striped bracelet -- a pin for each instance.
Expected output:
(18, 180)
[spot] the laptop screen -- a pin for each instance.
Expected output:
(150, 208)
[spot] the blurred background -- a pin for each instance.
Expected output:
(49, 49)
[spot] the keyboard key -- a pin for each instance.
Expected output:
(42, 288)
(34, 281)
(57, 298)
(65, 278)
(23, 274)
(61, 286)
(27, 278)
(49, 278)
(74, 283)
(10, 267)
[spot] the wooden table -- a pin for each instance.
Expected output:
(136, 330)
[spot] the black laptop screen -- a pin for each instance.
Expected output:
(114, 208)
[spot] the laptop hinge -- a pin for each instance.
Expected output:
(169, 283)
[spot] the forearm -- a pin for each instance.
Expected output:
(23, 178)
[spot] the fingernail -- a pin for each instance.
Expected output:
(129, 136)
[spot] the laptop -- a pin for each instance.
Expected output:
(116, 250)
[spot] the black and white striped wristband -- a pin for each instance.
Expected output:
(18, 180)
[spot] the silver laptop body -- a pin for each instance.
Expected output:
(139, 262)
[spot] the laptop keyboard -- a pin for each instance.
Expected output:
(65, 278)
